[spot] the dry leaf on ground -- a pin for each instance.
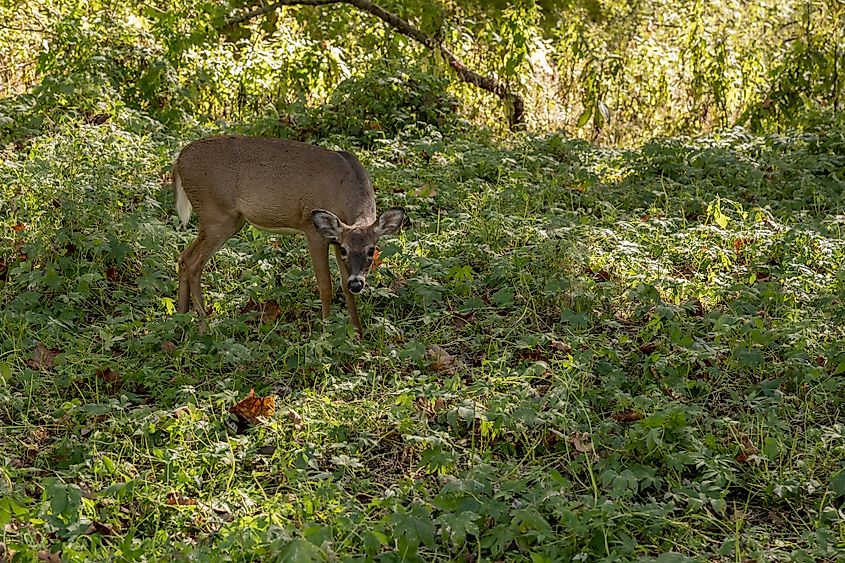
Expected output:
(268, 311)
(581, 441)
(460, 320)
(296, 419)
(99, 528)
(175, 499)
(109, 375)
(43, 358)
(253, 407)
(748, 449)
(560, 346)
(627, 416)
(441, 360)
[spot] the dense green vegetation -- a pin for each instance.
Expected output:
(615, 349)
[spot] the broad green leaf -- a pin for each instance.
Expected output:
(837, 483)
(301, 551)
(11, 510)
(584, 117)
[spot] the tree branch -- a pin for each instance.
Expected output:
(500, 89)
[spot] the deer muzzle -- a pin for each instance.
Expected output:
(355, 285)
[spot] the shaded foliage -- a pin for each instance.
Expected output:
(600, 68)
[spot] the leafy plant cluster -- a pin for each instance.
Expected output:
(575, 353)
(607, 70)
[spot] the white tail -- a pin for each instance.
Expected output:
(183, 206)
(281, 186)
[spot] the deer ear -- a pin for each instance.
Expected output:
(327, 224)
(390, 221)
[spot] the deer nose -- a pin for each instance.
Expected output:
(355, 285)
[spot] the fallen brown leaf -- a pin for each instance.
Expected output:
(108, 375)
(532, 354)
(776, 519)
(268, 311)
(462, 320)
(251, 408)
(296, 419)
(627, 416)
(98, 528)
(748, 449)
(113, 275)
(696, 307)
(582, 444)
(398, 284)
(49, 556)
(43, 358)
(621, 319)
(175, 499)
(560, 346)
(648, 347)
(168, 347)
(441, 360)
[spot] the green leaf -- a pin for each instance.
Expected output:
(9, 509)
(65, 499)
(503, 297)
(300, 550)
(373, 542)
(460, 525)
(584, 117)
(750, 357)
(720, 218)
(672, 557)
(837, 483)
(411, 529)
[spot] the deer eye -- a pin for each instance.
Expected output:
(343, 251)
(371, 251)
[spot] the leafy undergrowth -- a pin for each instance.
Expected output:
(573, 354)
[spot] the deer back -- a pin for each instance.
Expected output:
(273, 183)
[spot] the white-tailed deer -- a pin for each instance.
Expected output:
(280, 186)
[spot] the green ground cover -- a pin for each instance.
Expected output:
(574, 353)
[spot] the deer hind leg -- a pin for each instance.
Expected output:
(210, 238)
(184, 275)
(350, 299)
(318, 247)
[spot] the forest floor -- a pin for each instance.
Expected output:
(573, 353)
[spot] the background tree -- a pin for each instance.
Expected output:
(610, 70)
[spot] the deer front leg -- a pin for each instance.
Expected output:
(350, 299)
(318, 247)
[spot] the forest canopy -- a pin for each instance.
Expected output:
(608, 70)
